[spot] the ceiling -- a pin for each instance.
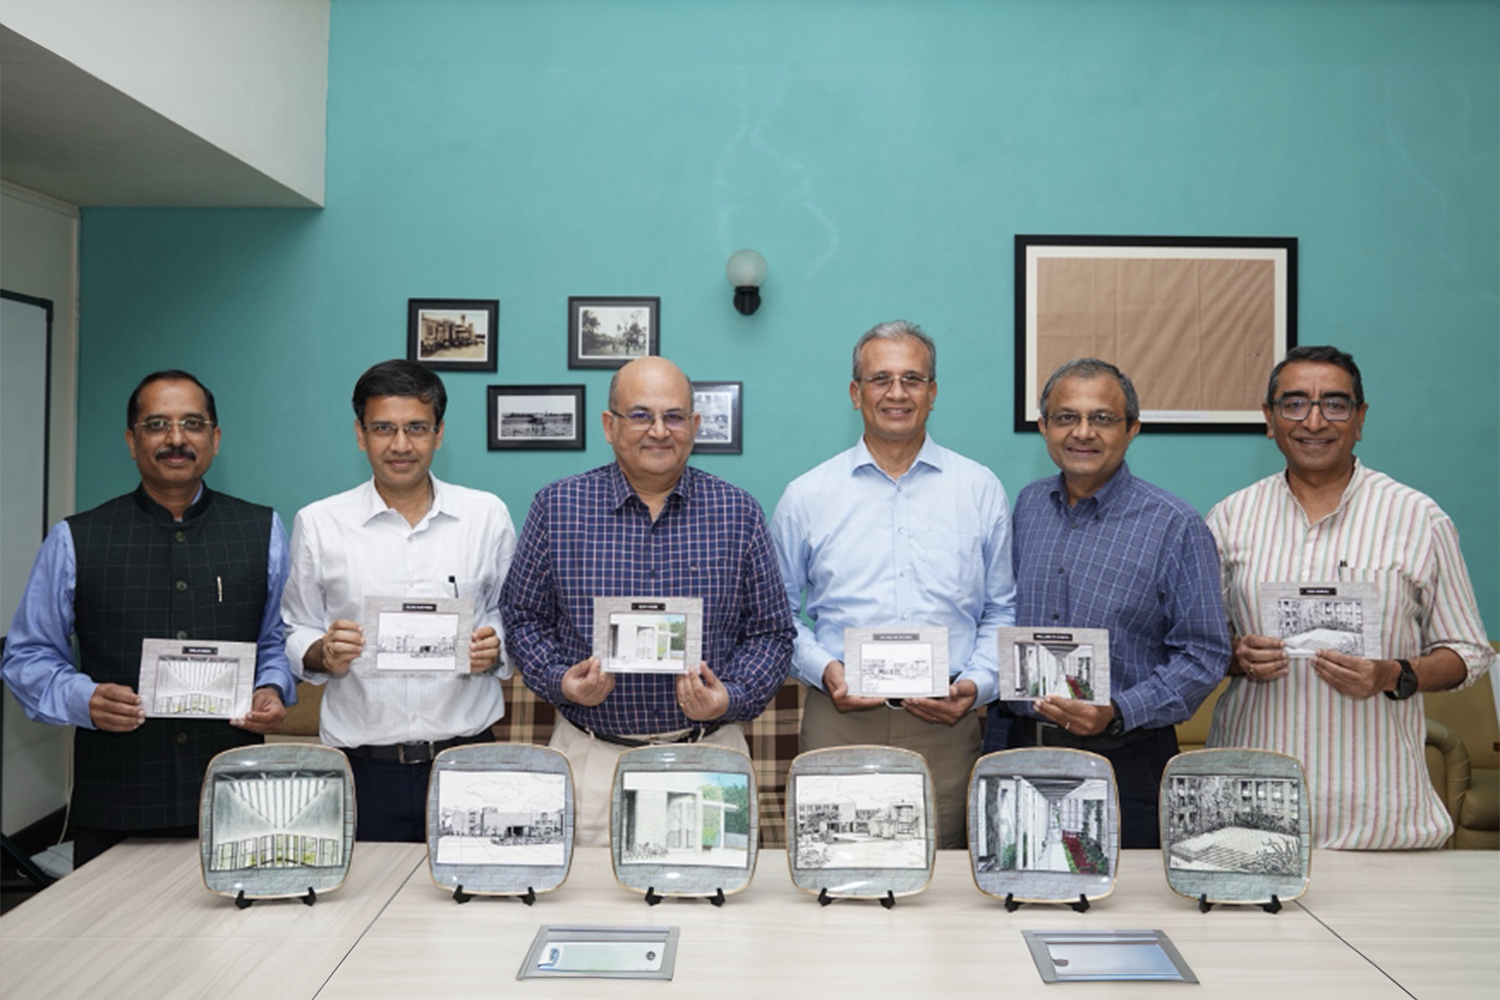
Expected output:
(69, 135)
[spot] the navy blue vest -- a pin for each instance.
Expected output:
(143, 575)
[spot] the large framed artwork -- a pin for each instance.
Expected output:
(1195, 322)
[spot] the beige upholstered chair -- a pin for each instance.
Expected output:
(1463, 754)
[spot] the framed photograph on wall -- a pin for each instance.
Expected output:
(610, 332)
(536, 417)
(1196, 322)
(718, 404)
(456, 335)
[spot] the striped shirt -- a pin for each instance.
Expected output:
(1366, 767)
(590, 536)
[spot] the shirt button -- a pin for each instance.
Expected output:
(900, 531)
(181, 585)
(181, 738)
(181, 634)
(181, 536)
(1060, 571)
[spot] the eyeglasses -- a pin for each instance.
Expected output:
(156, 426)
(1333, 408)
(644, 420)
(415, 431)
(1067, 418)
(911, 381)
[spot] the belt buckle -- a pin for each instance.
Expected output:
(423, 752)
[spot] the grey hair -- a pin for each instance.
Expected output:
(1094, 368)
(1325, 355)
(614, 389)
(897, 329)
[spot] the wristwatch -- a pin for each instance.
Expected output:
(1406, 683)
(1116, 725)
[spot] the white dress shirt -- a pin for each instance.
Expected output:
(350, 546)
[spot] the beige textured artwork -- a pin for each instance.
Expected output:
(1196, 335)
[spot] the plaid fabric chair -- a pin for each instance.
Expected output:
(772, 739)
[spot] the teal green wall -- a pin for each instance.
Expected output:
(881, 155)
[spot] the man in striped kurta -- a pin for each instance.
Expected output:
(1355, 723)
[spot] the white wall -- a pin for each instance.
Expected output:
(249, 76)
(39, 257)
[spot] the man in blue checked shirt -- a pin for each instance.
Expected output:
(1096, 547)
(647, 525)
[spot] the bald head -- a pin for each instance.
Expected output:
(651, 425)
(649, 369)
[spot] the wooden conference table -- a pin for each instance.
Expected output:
(138, 923)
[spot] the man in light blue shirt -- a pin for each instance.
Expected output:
(898, 531)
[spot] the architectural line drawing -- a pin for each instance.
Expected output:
(1038, 823)
(685, 818)
(1311, 623)
(281, 819)
(195, 686)
(1055, 668)
(656, 642)
(860, 821)
(500, 818)
(1234, 823)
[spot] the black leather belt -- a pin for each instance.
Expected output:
(1050, 734)
(420, 752)
(690, 736)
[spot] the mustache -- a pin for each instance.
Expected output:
(176, 451)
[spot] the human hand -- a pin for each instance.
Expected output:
(484, 650)
(116, 708)
(340, 646)
(1260, 657)
(587, 683)
(701, 696)
(838, 690)
(1355, 676)
(266, 712)
(947, 711)
(1077, 717)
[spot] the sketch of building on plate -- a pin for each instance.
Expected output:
(416, 641)
(1224, 822)
(894, 667)
(1308, 624)
(685, 818)
(1055, 667)
(281, 819)
(652, 641)
(860, 821)
(500, 818)
(1041, 824)
(194, 685)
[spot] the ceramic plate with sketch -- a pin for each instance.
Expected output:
(1044, 825)
(1235, 826)
(684, 820)
(500, 819)
(860, 821)
(276, 820)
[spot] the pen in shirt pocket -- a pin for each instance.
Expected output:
(219, 580)
(453, 582)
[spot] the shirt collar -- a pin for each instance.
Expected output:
(1103, 497)
(199, 504)
(373, 505)
(1356, 481)
(620, 490)
(930, 455)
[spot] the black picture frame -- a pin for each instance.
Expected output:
(609, 332)
(1203, 373)
(719, 433)
(453, 335)
(532, 420)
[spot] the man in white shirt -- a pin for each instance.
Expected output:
(402, 534)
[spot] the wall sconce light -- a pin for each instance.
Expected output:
(747, 271)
